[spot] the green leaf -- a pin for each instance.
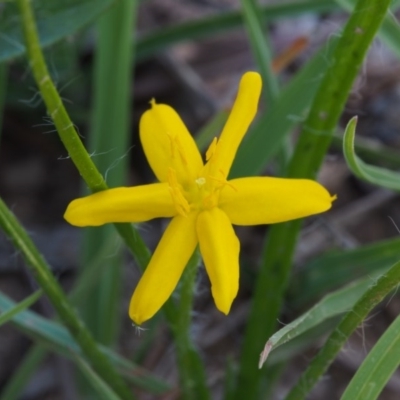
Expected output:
(22, 305)
(55, 19)
(375, 175)
(375, 293)
(337, 267)
(377, 368)
(269, 131)
(57, 338)
(330, 306)
(104, 391)
(160, 39)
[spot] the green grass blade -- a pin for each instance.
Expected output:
(338, 267)
(20, 377)
(261, 49)
(372, 297)
(159, 40)
(332, 305)
(109, 137)
(104, 391)
(22, 305)
(56, 337)
(377, 368)
(310, 150)
(3, 91)
(371, 150)
(56, 20)
(375, 175)
(271, 129)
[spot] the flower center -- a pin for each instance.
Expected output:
(201, 194)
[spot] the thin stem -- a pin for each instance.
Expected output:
(375, 294)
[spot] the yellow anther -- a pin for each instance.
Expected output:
(180, 202)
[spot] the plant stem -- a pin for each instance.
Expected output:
(62, 306)
(309, 153)
(375, 294)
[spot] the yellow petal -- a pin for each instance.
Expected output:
(242, 114)
(168, 144)
(219, 247)
(165, 268)
(124, 204)
(253, 201)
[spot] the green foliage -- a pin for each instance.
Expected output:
(339, 288)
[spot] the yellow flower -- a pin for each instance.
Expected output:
(203, 204)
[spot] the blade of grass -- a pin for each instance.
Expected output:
(371, 150)
(336, 268)
(21, 376)
(109, 136)
(3, 91)
(375, 175)
(56, 20)
(104, 391)
(63, 308)
(22, 305)
(332, 305)
(372, 297)
(56, 337)
(259, 147)
(310, 150)
(261, 49)
(159, 40)
(271, 129)
(377, 368)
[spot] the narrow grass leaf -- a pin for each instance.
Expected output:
(377, 368)
(152, 42)
(371, 150)
(332, 305)
(56, 20)
(261, 48)
(375, 175)
(112, 106)
(320, 363)
(22, 305)
(338, 267)
(104, 391)
(57, 338)
(272, 128)
(22, 374)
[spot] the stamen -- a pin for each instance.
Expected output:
(223, 182)
(177, 145)
(180, 202)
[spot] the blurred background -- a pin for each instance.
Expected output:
(198, 77)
